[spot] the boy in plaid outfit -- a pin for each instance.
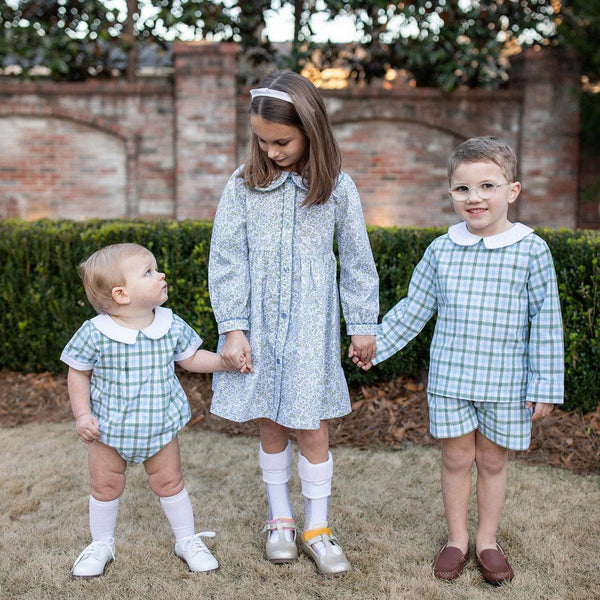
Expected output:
(127, 401)
(496, 358)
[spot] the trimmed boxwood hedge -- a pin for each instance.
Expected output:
(43, 301)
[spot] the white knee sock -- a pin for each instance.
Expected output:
(180, 514)
(276, 474)
(316, 489)
(103, 517)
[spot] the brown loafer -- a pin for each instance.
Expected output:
(449, 562)
(493, 566)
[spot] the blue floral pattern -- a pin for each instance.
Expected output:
(273, 274)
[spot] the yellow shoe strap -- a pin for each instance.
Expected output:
(313, 533)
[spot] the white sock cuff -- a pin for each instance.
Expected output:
(276, 468)
(175, 498)
(103, 503)
(315, 478)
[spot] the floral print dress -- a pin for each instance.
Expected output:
(273, 275)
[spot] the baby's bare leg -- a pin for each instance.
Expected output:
(164, 470)
(107, 472)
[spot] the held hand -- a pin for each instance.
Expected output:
(353, 354)
(245, 367)
(87, 429)
(540, 409)
(363, 347)
(236, 352)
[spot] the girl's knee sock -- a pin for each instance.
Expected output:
(180, 514)
(276, 474)
(316, 489)
(103, 518)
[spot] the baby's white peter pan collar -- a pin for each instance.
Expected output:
(460, 235)
(163, 319)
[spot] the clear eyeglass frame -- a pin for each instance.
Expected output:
(485, 191)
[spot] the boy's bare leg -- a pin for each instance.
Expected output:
(491, 462)
(458, 455)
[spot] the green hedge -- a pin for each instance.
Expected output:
(43, 301)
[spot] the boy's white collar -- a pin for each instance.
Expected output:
(460, 235)
(163, 319)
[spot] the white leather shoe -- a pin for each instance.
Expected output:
(194, 552)
(321, 545)
(92, 561)
(279, 548)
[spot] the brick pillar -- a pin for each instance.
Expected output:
(549, 139)
(205, 125)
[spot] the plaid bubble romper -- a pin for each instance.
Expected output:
(135, 394)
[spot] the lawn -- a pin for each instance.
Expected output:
(386, 509)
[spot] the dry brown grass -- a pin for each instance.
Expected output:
(386, 509)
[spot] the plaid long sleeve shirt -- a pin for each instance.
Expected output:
(498, 335)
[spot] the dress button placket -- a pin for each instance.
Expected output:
(285, 281)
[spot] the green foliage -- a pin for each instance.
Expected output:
(43, 299)
(397, 251)
(443, 44)
(579, 28)
(71, 38)
(577, 261)
(44, 302)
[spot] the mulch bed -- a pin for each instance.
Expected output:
(390, 414)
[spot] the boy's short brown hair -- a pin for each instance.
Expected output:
(485, 149)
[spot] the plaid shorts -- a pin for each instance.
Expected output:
(507, 424)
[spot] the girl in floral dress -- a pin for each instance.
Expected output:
(274, 291)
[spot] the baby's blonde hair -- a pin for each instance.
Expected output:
(102, 272)
(485, 149)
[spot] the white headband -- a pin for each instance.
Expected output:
(269, 93)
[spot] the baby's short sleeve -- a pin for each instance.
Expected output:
(188, 341)
(81, 352)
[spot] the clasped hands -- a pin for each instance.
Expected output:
(237, 354)
(362, 351)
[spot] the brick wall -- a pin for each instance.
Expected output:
(165, 149)
(95, 149)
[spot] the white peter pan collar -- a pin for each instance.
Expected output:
(163, 319)
(460, 235)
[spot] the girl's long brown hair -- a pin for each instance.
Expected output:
(322, 163)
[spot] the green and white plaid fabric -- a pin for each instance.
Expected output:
(507, 424)
(498, 335)
(135, 394)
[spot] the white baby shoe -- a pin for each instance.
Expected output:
(91, 562)
(194, 552)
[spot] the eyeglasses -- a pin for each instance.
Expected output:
(485, 191)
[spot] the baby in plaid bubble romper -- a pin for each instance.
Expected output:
(127, 401)
(496, 358)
